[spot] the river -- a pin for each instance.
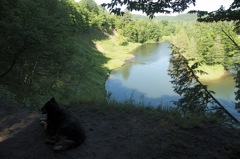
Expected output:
(145, 80)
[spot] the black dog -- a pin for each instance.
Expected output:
(64, 129)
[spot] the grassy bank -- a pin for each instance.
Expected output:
(107, 54)
(213, 72)
(116, 51)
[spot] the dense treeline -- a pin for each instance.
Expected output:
(143, 30)
(207, 42)
(179, 18)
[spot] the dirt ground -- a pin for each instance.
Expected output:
(115, 134)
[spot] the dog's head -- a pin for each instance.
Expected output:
(50, 106)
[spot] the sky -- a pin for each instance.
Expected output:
(204, 5)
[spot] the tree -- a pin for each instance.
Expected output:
(192, 48)
(181, 40)
(148, 6)
(222, 14)
(90, 5)
(230, 14)
(44, 49)
(152, 7)
(217, 51)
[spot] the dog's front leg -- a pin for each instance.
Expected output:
(44, 124)
(51, 140)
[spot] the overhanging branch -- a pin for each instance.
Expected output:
(15, 59)
(230, 38)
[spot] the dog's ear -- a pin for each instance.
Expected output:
(52, 100)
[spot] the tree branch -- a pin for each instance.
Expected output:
(216, 101)
(233, 41)
(15, 59)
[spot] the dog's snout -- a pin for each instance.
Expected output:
(43, 110)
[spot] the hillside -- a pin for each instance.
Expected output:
(180, 17)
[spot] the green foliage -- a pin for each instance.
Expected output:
(45, 50)
(123, 43)
(206, 42)
(143, 30)
(195, 99)
(237, 79)
(152, 7)
(180, 17)
(6, 94)
(148, 6)
(47, 47)
(222, 14)
(96, 16)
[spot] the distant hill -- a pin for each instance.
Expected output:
(180, 17)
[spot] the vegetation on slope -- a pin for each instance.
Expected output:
(47, 50)
(66, 50)
(180, 17)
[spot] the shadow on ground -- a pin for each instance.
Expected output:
(115, 134)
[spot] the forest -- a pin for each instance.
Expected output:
(49, 47)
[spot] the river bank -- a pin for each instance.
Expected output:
(212, 72)
(117, 53)
(119, 131)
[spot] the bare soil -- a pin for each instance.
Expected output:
(116, 133)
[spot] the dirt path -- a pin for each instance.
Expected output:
(114, 134)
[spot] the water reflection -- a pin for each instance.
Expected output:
(145, 77)
(145, 80)
(237, 80)
(196, 98)
(224, 87)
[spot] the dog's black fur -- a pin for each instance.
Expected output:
(64, 129)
